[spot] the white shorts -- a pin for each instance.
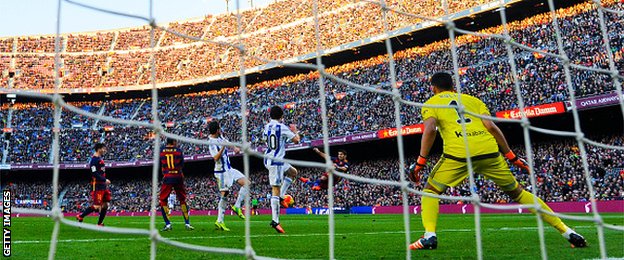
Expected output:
(227, 178)
(276, 173)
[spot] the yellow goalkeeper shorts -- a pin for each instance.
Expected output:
(450, 171)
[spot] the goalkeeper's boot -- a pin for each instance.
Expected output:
(304, 180)
(189, 227)
(283, 203)
(79, 218)
(166, 228)
(277, 227)
(576, 240)
(221, 226)
(239, 212)
(316, 187)
(424, 243)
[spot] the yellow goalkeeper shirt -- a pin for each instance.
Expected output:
(480, 141)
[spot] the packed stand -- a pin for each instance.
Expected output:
(6, 45)
(558, 168)
(199, 61)
(349, 110)
(100, 41)
(281, 30)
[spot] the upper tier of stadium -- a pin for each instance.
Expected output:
(118, 60)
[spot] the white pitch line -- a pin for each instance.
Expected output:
(324, 220)
(274, 235)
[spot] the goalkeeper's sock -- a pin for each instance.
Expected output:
(87, 211)
(221, 209)
(317, 182)
(285, 186)
(102, 215)
(526, 198)
(430, 209)
(275, 208)
(185, 213)
(567, 233)
(163, 211)
(429, 234)
(241, 196)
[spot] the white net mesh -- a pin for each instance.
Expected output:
(245, 145)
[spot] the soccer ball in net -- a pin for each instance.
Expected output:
(289, 200)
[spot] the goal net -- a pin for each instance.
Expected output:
(388, 12)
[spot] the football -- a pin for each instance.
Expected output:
(289, 200)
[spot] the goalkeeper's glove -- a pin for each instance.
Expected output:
(517, 161)
(414, 175)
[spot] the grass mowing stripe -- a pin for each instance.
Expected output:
(279, 235)
(490, 216)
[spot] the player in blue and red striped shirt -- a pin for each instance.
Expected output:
(171, 164)
(340, 163)
(100, 194)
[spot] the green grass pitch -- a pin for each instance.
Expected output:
(357, 237)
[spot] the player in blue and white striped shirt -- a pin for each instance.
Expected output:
(281, 174)
(225, 175)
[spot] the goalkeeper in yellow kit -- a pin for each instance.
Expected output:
(486, 143)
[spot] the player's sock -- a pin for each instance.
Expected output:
(526, 198)
(317, 182)
(185, 213)
(429, 234)
(285, 185)
(275, 208)
(567, 233)
(87, 211)
(163, 211)
(430, 209)
(102, 215)
(241, 196)
(221, 209)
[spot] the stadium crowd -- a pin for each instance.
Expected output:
(280, 30)
(273, 33)
(558, 167)
(349, 111)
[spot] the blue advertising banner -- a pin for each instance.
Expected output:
(296, 211)
(361, 210)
